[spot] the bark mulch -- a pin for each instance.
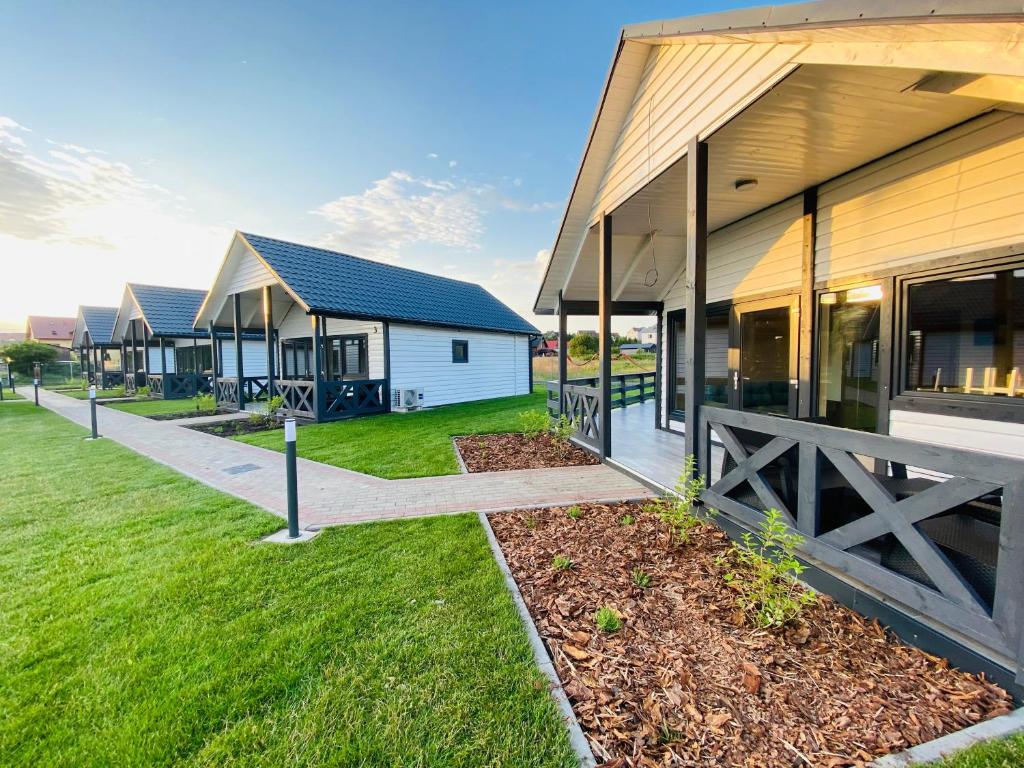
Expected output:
(235, 427)
(187, 414)
(496, 453)
(686, 682)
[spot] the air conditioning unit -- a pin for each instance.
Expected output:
(404, 400)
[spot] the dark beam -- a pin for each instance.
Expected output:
(659, 375)
(318, 364)
(696, 292)
(563, 352)
(214, 360)
(805, 372)
(163, 357)
(145, 351)
(618, 307)
(604, 333)
(268, 331)
(387, 364)
(239, 373)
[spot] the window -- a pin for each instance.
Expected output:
(346, 357)
(460, 351)
(848, 325)
(296, 358)
(716, 360)
(193, 359)
(965, 335)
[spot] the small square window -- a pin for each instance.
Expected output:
(460, 351)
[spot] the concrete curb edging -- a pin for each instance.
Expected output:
(463, 469)
(540, 653)
(934, 750)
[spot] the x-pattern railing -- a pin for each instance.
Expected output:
(297, 396)
(155, 382)
(790, 465)
(581, 407)
(227, 391)
(353, 398)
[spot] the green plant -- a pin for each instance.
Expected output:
(142, 391)
(641, 578)
(562, 563)
(627, 520)
(268, 416)
(23, 355)
(765, 571)
(533, 423)
(574, 512)
(206, 403)
(563, 428)
(583, 345)
(608, 619)
(678, 510)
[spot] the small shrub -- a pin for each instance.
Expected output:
(531, 521)
(563, 428)
(677, 511)
(626, 520)
(608, 619)
(574, 512)
(533, 423)
(641, 578)
(142, 391)
(206, 403)
(764, 573)
(562, 563)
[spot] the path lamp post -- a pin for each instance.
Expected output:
(37, 375)
(293, 489)
(92, 411)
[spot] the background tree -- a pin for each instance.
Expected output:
(25, 353)
(582, 345)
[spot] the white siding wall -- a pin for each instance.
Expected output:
(422, 357)
(294, 323)
(254, 358)
(249, 274)
(374, 340)
(154, 359)
(957, 192)
(685, 89)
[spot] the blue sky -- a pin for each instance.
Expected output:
(135, 137)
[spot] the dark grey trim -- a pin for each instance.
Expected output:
(659, 376)
(239, 373)
(465, 344)
(563, 343)
(696, 292)
(604, 334)
(268, 331)
(807, 306)
(386, 330)
(421, 323)
(618, 307)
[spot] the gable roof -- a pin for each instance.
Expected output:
(46, 328)
(98, 321)
(168, 311)
(335, 283)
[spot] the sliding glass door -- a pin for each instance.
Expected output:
(765, 375)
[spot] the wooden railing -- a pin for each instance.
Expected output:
(342, 399)
(944, 539)
(626, 389)
(297, 396)
(253, 388)
(173, 386)
(581, 407)
(112, 379)
(131, 384)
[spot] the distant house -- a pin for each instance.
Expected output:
(55, 331)
(99, 354)
(164, 351)
(633, 334)
(546, 348)
(354, 336)
(11, 337)
(632, 349)
(648, 335)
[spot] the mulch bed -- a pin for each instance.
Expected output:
(686, 682)
(187, 414)
(232, 427)
(496, 453)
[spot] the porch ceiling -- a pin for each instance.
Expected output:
(252, 308)
(818, 123)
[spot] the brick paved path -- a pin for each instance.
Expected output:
(335, 496)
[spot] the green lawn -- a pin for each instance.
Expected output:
(396, 445)
(156, 406)
(83, 394)
(8, 395)
(141, 625)
(1007, 753)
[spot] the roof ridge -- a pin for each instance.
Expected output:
(247, 235)
(166, 287)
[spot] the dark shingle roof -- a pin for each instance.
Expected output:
(336, 283)
(99, 321)
(168, 311)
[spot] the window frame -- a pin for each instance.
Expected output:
(364, 357)
(307, 347)
(465, 344)
(968, 405)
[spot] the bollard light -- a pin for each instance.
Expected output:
(292, 472)
(35, 383)
(92, 410)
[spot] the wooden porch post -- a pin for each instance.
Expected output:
(163, 357)
(124, 362)
(213, 364)
(658, 374)
(563, 352)
(95, 362)
(268, 330)
(237, 302)
(145, 351)
(135, 354)
(696, 295)
(387, 364)
(604, 322)
(103, 370)
(318, 361)
(807, 310)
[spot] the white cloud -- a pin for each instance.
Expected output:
(400, 210)
(432, 155)
(80, 222)
(452, 163)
